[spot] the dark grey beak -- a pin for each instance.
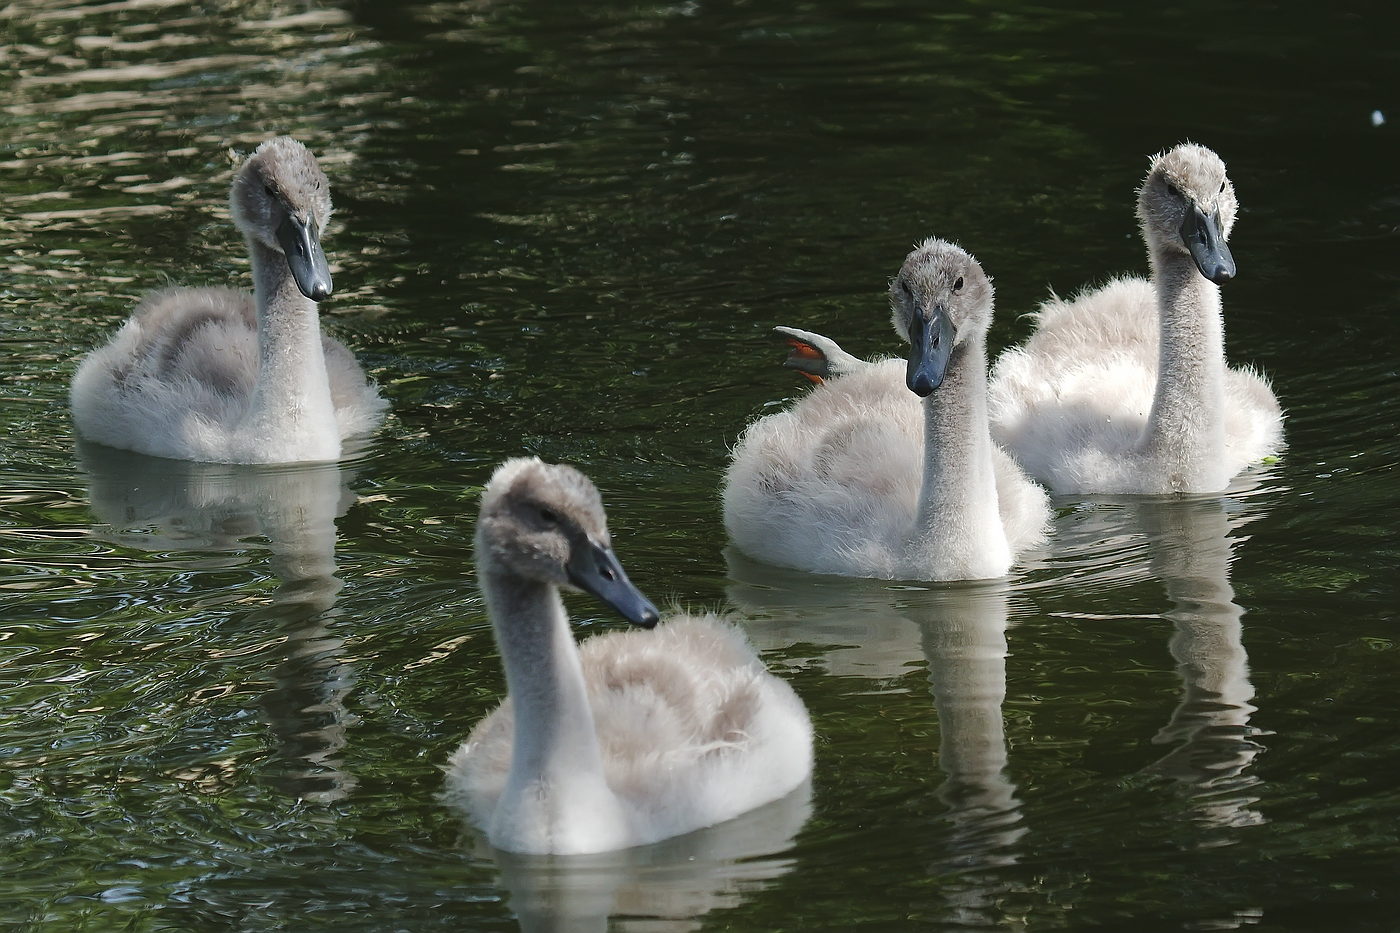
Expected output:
(594, 568)
(930, 344)
(305, 258)
(1201, 234)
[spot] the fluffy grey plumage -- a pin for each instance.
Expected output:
(214, 374)
(632, 737)
(862, 478)
(1125, 389)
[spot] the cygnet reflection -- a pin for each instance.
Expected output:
(877, 630)
(663, 888)
(1188, 548)
(1190, 553)
(964, 640)
(168, 505)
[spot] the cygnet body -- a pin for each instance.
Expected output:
(632, 737)
(1125, 389)
(888, 469)
(216, 375)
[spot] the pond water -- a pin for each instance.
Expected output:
(226, 694)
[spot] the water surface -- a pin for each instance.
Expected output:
(226, 693)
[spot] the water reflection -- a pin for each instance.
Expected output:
(876, 630)
(117, 125)
(171, 505)
(1188, 549)
(1190, 554)
(964, 641)
(661, 888)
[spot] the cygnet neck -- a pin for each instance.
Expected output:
(554, 733)
(292, 396)
(1186, 428)
(958, 532)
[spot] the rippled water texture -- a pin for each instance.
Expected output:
(226, 693)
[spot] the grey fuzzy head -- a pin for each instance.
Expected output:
(1185, 176)
(280, 179)
(534, 517)
(938, 273)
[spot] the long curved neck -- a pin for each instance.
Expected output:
(292, 396)
(1186, 428)
(958, 530)
(555, 741)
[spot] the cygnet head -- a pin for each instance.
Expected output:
(1187, 204)
(545, 523)
(282, 200)
(940, 299)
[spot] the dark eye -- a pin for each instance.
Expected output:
(1222, 187)
(548, 516)
(268, 189)
(904, 287)
(957, 286)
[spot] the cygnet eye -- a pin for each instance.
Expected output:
(957, 286)
(1222, 187)
(904, 287)
(548, 517)
(269, 189)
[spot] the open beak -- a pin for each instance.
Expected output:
(1201, 234)
(594, 568)
(807, 360)
(930, 344)
(305, 258)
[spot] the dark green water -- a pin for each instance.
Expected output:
(566, 229)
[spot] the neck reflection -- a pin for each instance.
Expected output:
(171, 505)
(658, 888)
(1190, 552)
(877, 631)
(964, 641)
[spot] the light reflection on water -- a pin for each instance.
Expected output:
(1209, 732)
(665, 887)
(879, 631)
(226, 694)
(169, 505)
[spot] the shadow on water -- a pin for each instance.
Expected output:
(658, 888)
(167, 505)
